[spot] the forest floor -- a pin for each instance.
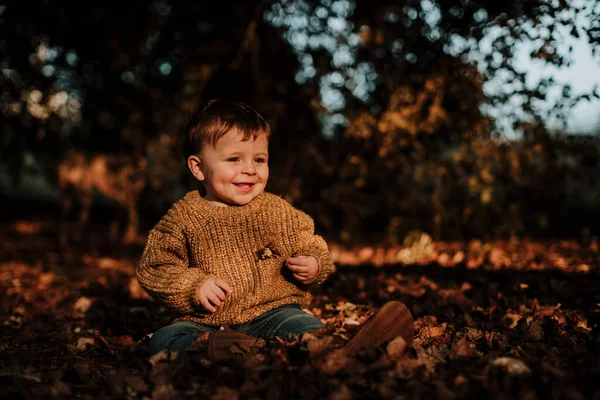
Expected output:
(505, 319)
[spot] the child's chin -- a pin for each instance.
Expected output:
(243, 201)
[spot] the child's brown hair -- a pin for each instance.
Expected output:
(216, 118)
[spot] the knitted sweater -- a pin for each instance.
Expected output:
(246, 246)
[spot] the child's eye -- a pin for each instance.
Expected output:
(261, 160)
(233, 159)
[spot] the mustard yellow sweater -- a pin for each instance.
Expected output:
(246, 246)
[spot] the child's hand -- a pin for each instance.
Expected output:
(303, 268)
(212, 294)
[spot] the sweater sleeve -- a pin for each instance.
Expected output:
(164, 269)
(309, 244)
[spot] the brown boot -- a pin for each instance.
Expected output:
(228, 344)
(392, 320)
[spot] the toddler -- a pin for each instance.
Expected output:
(238, 256)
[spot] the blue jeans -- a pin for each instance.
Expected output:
(280, 322)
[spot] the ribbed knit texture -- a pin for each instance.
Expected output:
(197, 240)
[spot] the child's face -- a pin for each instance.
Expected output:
(233, 171)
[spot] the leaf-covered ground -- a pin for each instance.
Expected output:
(516, 319)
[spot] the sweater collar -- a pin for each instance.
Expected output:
(205, 207)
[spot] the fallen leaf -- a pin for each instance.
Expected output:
(84, 344)
(342, 393)
(462, 349)
(535, 332)
(163, 355)
(512, 319)
(82, 305)
(136, 384)
(334, 361)
(60, 389)
(583, 268)
(396, 348)
(430, 332)
(474, 334)
(124, 341)
(102, 343)
(83, 370)
(512, 366)
(136, 291)
(316, 346)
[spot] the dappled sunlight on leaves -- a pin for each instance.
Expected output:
(487, 315)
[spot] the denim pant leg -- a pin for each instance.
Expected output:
(281, 322)
(177, 336)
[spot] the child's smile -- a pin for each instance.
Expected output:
(246, 187)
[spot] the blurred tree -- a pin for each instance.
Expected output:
(363, 51)
(124, 77)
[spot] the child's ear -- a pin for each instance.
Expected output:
(195, 165)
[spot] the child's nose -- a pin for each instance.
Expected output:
(249, 168)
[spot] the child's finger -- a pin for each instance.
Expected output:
(213, 299)
(218, 292)
(299, 260)
(206, 304)
(296, 268)
(300, 277)
(223, 285)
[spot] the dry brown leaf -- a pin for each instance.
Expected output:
(84, 344)
(465, 287)
(83, 370)
(334, 361)
(136, 384)
(60, 389)
(163, 391)
(458, 257)
(136, 291)
(512, 366)
(81, 306)
(407, 368)
(584, 268)
(433, 331)
(164, 355)
(544, 311)
(474, 334)
(342, 393)
(534, 330)
(316, 346)
(397, 348)
(455, 296)
(462, 349)
(499, 258)
(28, 227)
(511, 319)
(460, 380)
(102, 343)
(45, 280)
(124, 341)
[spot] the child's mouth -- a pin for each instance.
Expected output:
(245, 186)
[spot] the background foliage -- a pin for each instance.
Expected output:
(400, 141)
